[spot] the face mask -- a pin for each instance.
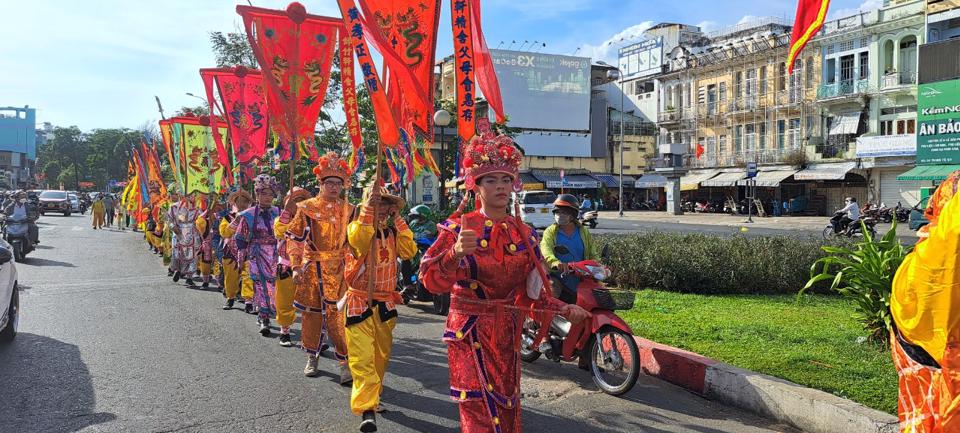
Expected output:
(562, 218)
(23, 200)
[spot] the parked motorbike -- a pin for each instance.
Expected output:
(410, 287)
(589, 218)
(901, 213)
(16, 233)
(604, 343)
(853, 230)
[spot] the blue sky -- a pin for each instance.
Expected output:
(99, 64)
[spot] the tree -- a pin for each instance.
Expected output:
(199, 110)
(232, 49)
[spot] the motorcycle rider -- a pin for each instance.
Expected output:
(420, 221)
(21, 209)
(567, 231)
(848, 214)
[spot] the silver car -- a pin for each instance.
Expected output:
(9, 297)
(74, 202)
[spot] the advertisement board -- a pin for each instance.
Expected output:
(938, 123)
(641, 59)
(544, 91)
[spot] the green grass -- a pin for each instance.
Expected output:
(811, 341)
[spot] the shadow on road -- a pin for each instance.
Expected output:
(34, 261)
(46, 387)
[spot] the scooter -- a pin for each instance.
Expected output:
(589, 218)
(411, 289)
(853, 230)
(604, 343)
(16, 233)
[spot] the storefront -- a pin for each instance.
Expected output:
(531, 183)
(938, 135)
(885, 158)
(828, 184)
(609, 194)
(578, 182)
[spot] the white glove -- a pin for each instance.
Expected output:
(534, 285)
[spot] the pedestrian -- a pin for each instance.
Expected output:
(257, 244)
(925, 336)
(206, 230)
(109, 207)
(286, 288)
(370, 306)
(317, 252)
(185, 240)
(233, 277)
(98, 214)
(487, 261)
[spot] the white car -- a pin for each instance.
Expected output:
(9, 297)
(536, 207)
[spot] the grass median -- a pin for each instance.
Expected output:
(812, 341)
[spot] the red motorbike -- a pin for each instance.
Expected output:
(604, 343)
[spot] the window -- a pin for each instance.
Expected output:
(712, 99)
(809, 129)
(808, 73)
(751, 82)
(794, 138)
(723, 144)
(911, 126)
(751, 137)
(763, 135)
(846, 45)
(738, 138)
(781, 76)
(567, 158)
(723, 91)
(846, 69)
(885, 127)
(541, 158)
(864, 65)
(626, 167)
(763, 80)
(738, 85)
(688, 89)
(781, 130)
(830, 71)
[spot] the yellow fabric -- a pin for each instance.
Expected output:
(246, 287)
(201, 224)
(225, 230)
(231, 279)
(279, 228)
(369, 344)
(204, 268)
(360, 234)
(286, 314)
(925, 301)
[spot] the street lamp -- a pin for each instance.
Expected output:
(617, 74)
(442, 119)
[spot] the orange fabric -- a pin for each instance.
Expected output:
(929, 400)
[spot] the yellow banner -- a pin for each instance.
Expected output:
(204, 172)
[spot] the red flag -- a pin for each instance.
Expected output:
(355, 26)
(464, 69)
(405, 32)
(699, 151)
(243, 104)
(486, 76)
(297, 49)
(810, 17)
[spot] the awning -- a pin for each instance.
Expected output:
(846, 123)
(725, 179)
(692, 180)
(531, 183)
(612, 180)
(571, 181)
(769, 179)
(929, 172)
(832, 171)
(651, 181)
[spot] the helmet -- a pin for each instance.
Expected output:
(422, 211)
(566, 200)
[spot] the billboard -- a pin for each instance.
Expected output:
(938, 123)
(642, 59)
(544, 91)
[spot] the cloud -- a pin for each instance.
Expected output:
(746, 19)
(540, 9)
(709, 26)
(867, 5)
(607, 50)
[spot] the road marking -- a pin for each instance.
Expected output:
(77, 228)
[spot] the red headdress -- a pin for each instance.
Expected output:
(489, 153)
(331, 165)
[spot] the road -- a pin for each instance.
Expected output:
(109, 344)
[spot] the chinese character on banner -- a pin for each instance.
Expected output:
(463, 71)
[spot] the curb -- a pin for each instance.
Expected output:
(810, 410)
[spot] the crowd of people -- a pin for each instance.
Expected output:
(336, 265)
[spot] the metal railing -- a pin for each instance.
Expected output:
(669, 116)
(897, 79)
(844, 88)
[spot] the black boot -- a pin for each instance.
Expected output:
(369, 423)
(190, 282)
(206, 284)
(248, 308)
(265, 327)
(176, 276)
(229, 304)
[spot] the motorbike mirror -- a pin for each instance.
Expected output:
(5, 255)
(561, 249)
(605, 252)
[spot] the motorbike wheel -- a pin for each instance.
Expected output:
(614, 361)
(527, 353)
(8, 333)
(17, 251)
(441, 304)
(828, 232)
(592, 224)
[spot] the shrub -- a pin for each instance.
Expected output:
(698, 263)
(863, 273)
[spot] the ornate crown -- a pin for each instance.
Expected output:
(331, 165)
(264, 182)
(488, 153)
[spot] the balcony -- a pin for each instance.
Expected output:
(669, 116)
(843, 89)
(895, 80)
(786, 155)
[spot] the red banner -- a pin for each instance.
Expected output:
(486, 76)
(810, 17)
(386, 122)
(243, 104)
(297, 49)
(405, 33)
(349, 86)
(464, 70)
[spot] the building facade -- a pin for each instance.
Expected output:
(18, 146)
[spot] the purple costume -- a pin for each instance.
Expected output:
(257, 246)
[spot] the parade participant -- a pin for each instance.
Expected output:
(258, 246)
(232, 276)
(317, 251)
(371, 316)
(208, 234)
(489, 267)
(98, 213)
(925, 340)
(286, 288)
(109, 207)
(182, 220)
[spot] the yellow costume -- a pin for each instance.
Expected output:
(98, 214)
(925, 305)
(286, 288)
(370, 324)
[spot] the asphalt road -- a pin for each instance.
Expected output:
(109, 344)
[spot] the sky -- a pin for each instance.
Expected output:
(100, 64)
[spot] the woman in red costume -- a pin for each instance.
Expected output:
(489, 268)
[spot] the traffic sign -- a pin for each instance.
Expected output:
(752, 170)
